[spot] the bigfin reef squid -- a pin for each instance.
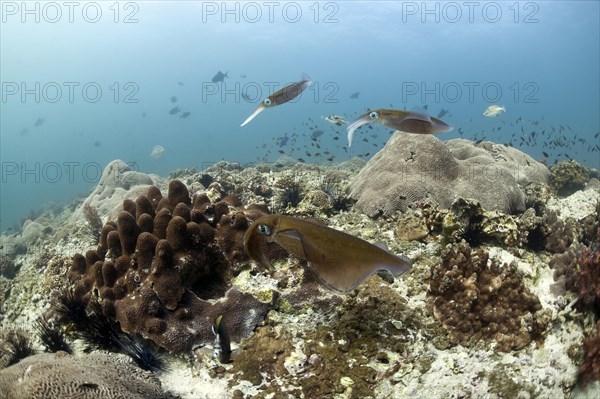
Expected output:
(340, 261)
(281, 96)
(406, 121)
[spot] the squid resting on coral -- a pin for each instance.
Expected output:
(340, 261)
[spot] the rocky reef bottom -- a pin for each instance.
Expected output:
(492, 306)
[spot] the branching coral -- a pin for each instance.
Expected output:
(477, 298)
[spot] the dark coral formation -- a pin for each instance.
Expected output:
(565, 269)
(589, 369)
(589, 277)
(559, 235)
(562, 238)
(568, 176)
(157, 268)
(475, 298)
(8, 268)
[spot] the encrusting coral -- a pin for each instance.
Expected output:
(163, 269)
(476, 298)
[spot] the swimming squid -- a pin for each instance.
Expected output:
(282, 96)
(406, 121)
(340, 261)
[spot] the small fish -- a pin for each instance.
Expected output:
(186, 114)
(173, 99)
(39, 122)
(355, 95)
(220, 76)
(316, 134)
(175, 110)
(243, 76)
(442, 113)
(282, 96)
(406, 121)
(335, 119)
(340, 261)
(97, 143)
(222, 341)
(545, 154)
(180, 83)
(493, 111)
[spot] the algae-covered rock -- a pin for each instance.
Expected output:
(568, 177)
(412, 226)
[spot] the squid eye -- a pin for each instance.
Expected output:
(373, 115)
(267, 101)
(264, 229)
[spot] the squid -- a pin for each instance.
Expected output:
(282, 96)
(406, 121)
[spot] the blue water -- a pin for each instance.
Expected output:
(538, 59)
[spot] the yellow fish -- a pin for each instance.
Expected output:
(340, 261)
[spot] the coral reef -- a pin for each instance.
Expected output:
(344, 357)
(92, 376)
(568, 176)
(589, 277)
(559, 234)
(476, 298)
(290, 192)
(382, 340)
(565, 267)
(590, 366)
(156, 269)
(469, 221)
(412, 167)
